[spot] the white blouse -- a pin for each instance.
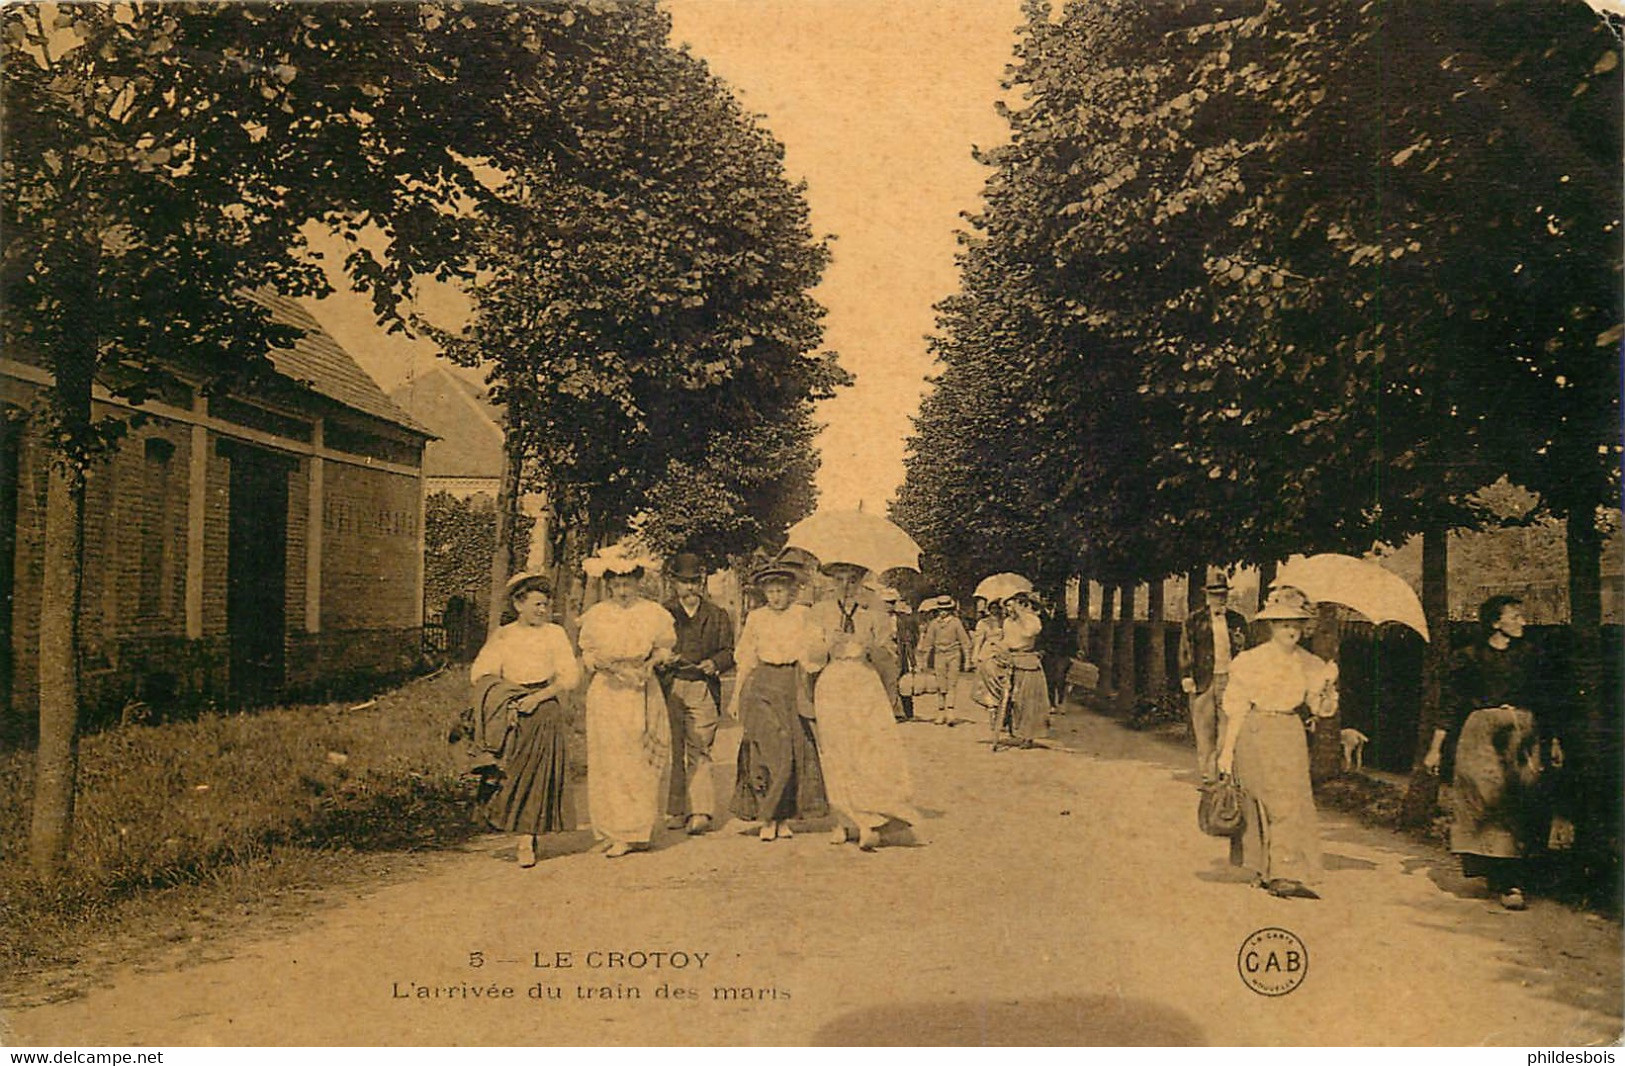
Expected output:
(826, 638)
(1273, 680)
(769, 636)
(1021, 632)
(528, 655)
(610, 632)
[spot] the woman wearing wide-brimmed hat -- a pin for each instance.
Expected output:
(518, 677)
(623, 638)
(778, 777)
(865, 769)
(1271, 688)
(1028, 701)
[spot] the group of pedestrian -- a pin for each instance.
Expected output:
(1250, 706)
(817, 719)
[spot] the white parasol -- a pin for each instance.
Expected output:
(1002, 586)
(1372, 590)
(855, 537)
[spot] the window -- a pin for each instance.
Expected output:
(157, 532)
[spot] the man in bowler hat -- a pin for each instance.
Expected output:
(693, 687)
(1211, 637)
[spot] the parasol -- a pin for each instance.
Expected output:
(1378, 593)
(855, 537)
(1002, 586)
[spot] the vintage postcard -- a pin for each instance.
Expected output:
(707, 796)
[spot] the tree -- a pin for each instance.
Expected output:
(661, 279)
(163, 158)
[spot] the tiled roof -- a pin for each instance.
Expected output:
(317, 362)
(460, 413)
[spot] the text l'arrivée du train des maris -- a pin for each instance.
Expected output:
(593, 975)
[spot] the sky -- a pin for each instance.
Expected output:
(878, 104)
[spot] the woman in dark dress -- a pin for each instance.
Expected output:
(1495, 709)
(779, 777)
(518, 678)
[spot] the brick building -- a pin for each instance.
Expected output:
(466, 457)
(236, 547)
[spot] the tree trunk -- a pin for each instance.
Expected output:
(1156, 678)
(1108, 639)
(1598, 754)
(56, 765)
(1422, 796)
(1326, 742)
(1127, 688)
(502, 562)
(1266, 575)
(1083, 618)
(57, 760)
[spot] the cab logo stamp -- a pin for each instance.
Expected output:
(1273, 961)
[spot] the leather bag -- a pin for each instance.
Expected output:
(1222, 810)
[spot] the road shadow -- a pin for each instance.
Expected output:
(1078, 1021)
(1334, 861)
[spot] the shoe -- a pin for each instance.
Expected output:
(783, 831)
(698, 823)
(527, 851)
(677, 821)
(838, 835)
(616, 849)
(868, 839)
(1512, 899)
(767, 833)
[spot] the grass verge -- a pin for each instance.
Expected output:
(181, 826)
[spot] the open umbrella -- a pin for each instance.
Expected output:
(1378, 593)
(1002, 586)
(855, 537)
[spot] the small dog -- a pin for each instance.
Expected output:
(1354, 743)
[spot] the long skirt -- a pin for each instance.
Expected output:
(1496, 803)
(1282, 838)
(1029, 703)
(628, 754)
(534, 795)
(778, 774)
(865, 769)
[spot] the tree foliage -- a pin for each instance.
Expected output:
(643, 267)
(1272, 277)
(643, 304)
(459, 535)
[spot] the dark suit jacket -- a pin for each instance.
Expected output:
(707, 635)
(1196, 644)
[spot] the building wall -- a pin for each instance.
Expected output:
(134, 619)
(371, 606)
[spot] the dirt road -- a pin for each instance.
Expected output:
(1052, 896)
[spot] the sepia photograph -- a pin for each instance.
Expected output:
(732, 523)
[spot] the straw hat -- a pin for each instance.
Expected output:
(1285, 604)
(527, 580)
(776, 571)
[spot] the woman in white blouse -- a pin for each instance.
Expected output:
(1267, 750)
(518, 678)
(778, 776)
(623, 639)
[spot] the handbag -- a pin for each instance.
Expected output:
(1222, 810)
(905, 686)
